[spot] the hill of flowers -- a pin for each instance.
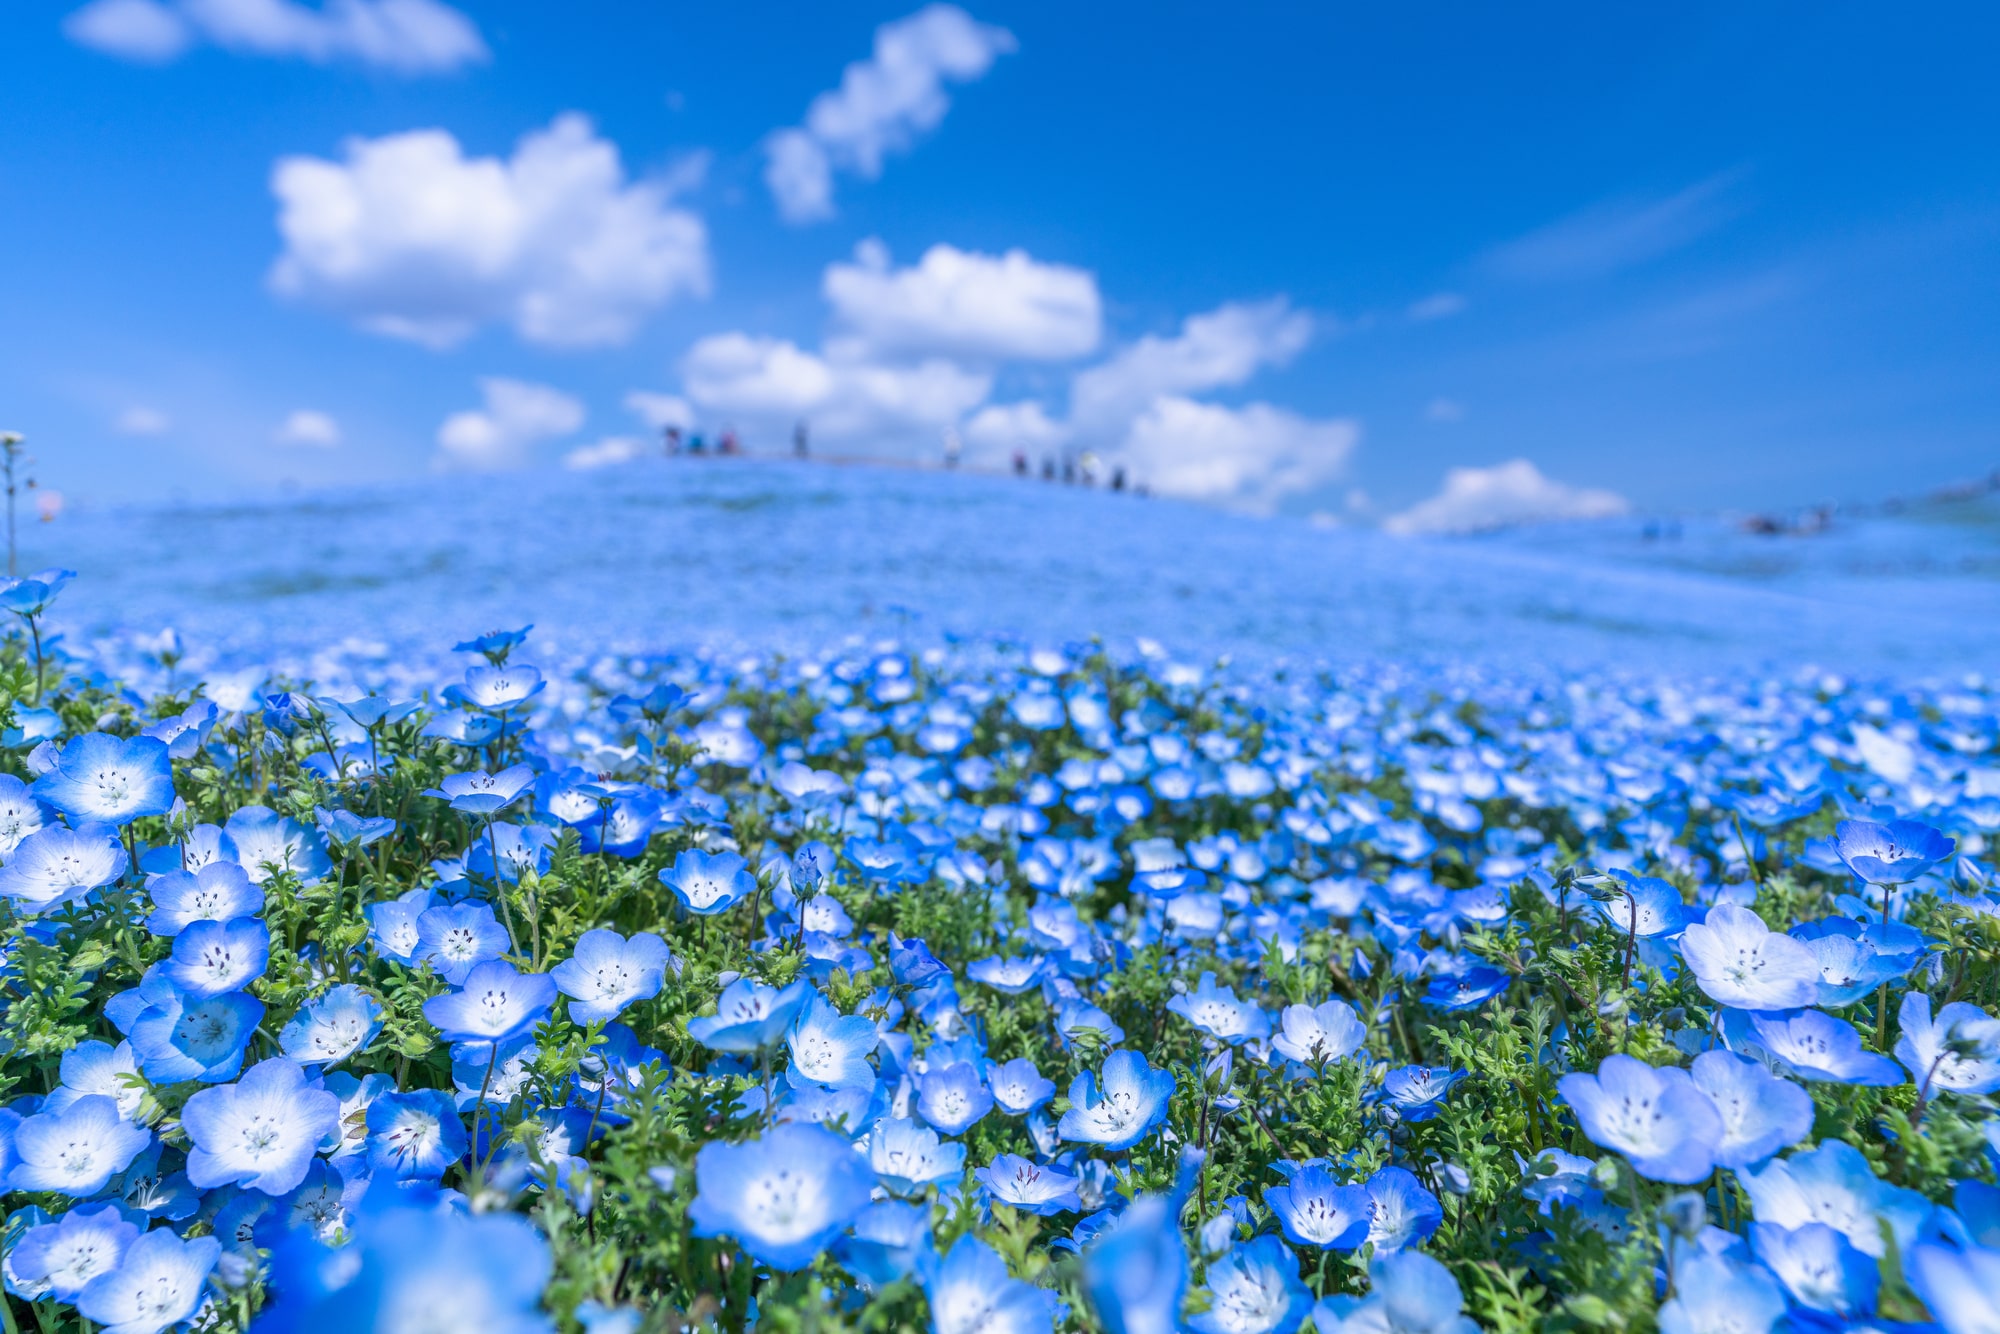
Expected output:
(985, 989)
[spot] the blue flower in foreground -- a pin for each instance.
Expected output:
(1663, 1125)
(392, 925)
(56, 865)
(1644, 907)
(884, 1245)
(1467, 990)
(1832, 1183)
(607, 972)
(160, 1281)
(1135, 1272)
(481, 793)
(1255, 1289)
(74, 1151)
(32, 594)
(1713, 1295)
(456, 938)
(1890, 854)
(709, 883)
(332, 1028)
(1309, 1034)
(496, 688)
(1760, 1112)
(1959, 1286)
(1317, 1211)
(1817, 1046)
(953, 1099)
(98, 1067)
(1818, 1267)
(218, 892)
(268, 843)
(1401, 1213)
(1131, 1103)
(1957, 1052)
(178, 1036)
(1850, 964)
(1740, 961)
(260, 1132)
(750, 1016)
(112, 780)
(211, 958)
(1018, 1087)
(1014, 1181)
(1217, 1012)
(414, 1136)
(1408, 1293)
(829, 1048)
(783, 1197)
(1414, 1092)
(495, 1004)
(970, 1292)
(907, 1157)
(1009, 977)
(67, 1254)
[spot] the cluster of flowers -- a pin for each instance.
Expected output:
(1055, 990)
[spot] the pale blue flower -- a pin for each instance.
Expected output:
(211, 958)
(333, 1027)
(607, 972)
(1739, 961)
(59, 865)
(160, 1281)
(1956, 1052)
(830, 1049)
(455, 938)
(1018, 1087)
(970, 1292)
(1129, 1106)
(414, 1136)
(1961, 1287)
(1890, 854)
(64, 1256)
(750, 1016)
(1408, 1293)
(92, 1067)
(268, 843)
(1663, 1125)
(1713, 1295)
(103, 779)
(783, 1197)
(1310, 1034)
(481, 793)
(74, 1151)
(1833, 1184)
(1415, 1092)
(1255, 1289)
(1760, 1112)
(177, 1036)
(1816, 1046)
(952, 1098)
(1401, 1212)
(1818, 1266)
(709, 883)
(1315, 1210)
(1135, 1272)
(1015, 1181)
(218, 892)
(907, 1157)
(1217, 1012)
(260, 1132)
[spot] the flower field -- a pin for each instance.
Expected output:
(973, 987)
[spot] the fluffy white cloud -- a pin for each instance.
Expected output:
(307, 427)
(660, 411)
(1438, 306)
(1225, 346)
(517, 416)
(1618, 234)
(141, 420)
(996, 431)
(1008, 307)
(1507, 493)
(773, 383)
(611, 450)
(406, 36)
(414, 239)
(882, 105)
(1249, 457)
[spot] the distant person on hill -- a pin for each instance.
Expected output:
(1087, 468)
(799, 441)
(1069, 471)
(1048, 468)
(1118, 477)
(1020, 463)
(952, 448)
(673, 440)
(694, 443)
(727, 444)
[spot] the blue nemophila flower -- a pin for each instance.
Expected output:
(102, 779)
(1408, 1293)
(1135, 1271)
(31, 594)
(481, 793)
(64, 1256)
(1316, 1210)
(178, 1036)
(1818, 1267)
(907, 1157)
(1851, 965)
(750, 1017)
(160, 1281)
(1958, 1051)
(414, 1136)
(1816, 1046)
(332, 1028)
(497, 688)
(1761, 1113)
(1009, 976)
(1466, 990)
(1255, 1289)
(1890, 854)
(1644, 906)
(1958, 1286)
(970, 1292)
(829, 1048)
(98, 1067)
(1663, 1125)
(392, 925)
(20, 814)
(218, 892)
(1310, 1034)
(260, 1132)
(57, 865)
(1014, 1181)
(912, 963)
(783, 1197)
(952, 1098)
(1415, 1092)
(1401, 1212)
(73, 1151)
(607, 972)
(456, 938)
(884, 1245)
(211, 958)
(1832, 1183)
(1738, 960)
(1716, 1295)
(1218, 1013)
(1129, 1105)
(268, 844)
(1018, 1087)
(351, 830)
(496, 1003)
(709, 883)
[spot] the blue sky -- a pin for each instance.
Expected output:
(1307, 258)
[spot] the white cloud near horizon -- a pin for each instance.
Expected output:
(660, 411)
(1219, 349)
(1617, 234)
(605, 453)
(772, 383)
(407, 37)
(1437, 306)
(1477, 499)
(1009, 307)
(516, 417)
(142, 420)
(995, 431)
(1248, 457)
(307, 426)
(882, 105)
(413, 239)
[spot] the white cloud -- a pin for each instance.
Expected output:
(406, 36)
(1438, 306)
(1224, 347)
(1474, 499)
(142, 420)
(517, 416)
(882, 105)
(660, 411)
(996, 431)
(1250, 457)
(413, 239)
(1617, 234)
(773, 383)
(307, 427)
(611, 450)
(958, 302)
(1444, 411)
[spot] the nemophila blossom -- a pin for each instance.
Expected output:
(31, 594)
(1009, 977)
(159, 1281)
(495, 1003)
(218, 892)
(709, 883)
(1078, 1016)
(319, 1204)
(1644, 906)
(953, 1098)
(1958, 1051)
(93, 1067)
(1851, 965)
(607, 972)
(481, 793)
(1466, 990)
(783, 1197)
(1957, 1286)
(1833, 1184)
(20, 814)
(455, 938)
(414, 1136)
(1129, 1104)
(1663, 1125)
(1135, 1271)
(1894, 853)
(1315, 1210)
(268, 844)
(1401, 1213)
(1217, 1012)
(1818, 1267)
(907, 1157)
(1255, 1289)
(74, 1151)
(392, 925)
(1020, 1184)
(1715, 1295)
(333, 1027)
(351, 830)
(1760, 1112)
(970, 1292)
(1310, 1034)
(211, 957)
(497, 688)
(1017, 1086)
(1816, 1046)
(829, 1048)
(64, 1256)
(178, 1036)
(101, 779)
(1738, 960)
(750, 1016)
(1408, 1293)
(1415, 1092)
(260, 1132)
(59, 865)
